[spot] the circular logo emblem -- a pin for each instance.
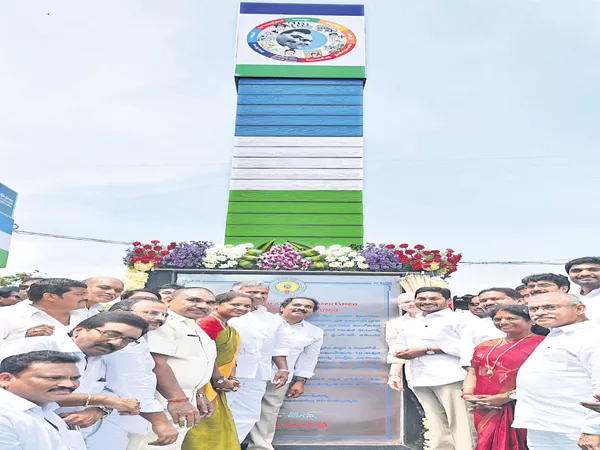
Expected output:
(301, 39)
(288, 286)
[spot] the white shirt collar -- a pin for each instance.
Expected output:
(441, 312)
(573, 327)
(16, 402)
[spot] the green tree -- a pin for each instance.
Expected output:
(16, 279)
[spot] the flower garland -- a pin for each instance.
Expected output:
(141, 258)
(224, 256)
(283, 257)
(342, 258)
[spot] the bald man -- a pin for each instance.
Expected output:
(408, 311)
(103, 292)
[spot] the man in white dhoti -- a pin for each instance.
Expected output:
(184, 357)
(129, 373)
(305, 346)
(263, 342)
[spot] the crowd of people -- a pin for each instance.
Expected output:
(506, 369)
(87, 365)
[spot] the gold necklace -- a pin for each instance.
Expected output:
(490, 369)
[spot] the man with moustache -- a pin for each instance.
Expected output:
(542, 283)
(305, 346)
(184, 357)
(90, 340)
(432, 345)
(585, 272)
(562, 371)
(30, 385)
(102, 291)
(130, 374)
(484, 329)
(57, 304)
(264, 342)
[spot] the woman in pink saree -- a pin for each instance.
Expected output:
(491, 380)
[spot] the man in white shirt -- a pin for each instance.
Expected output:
(91, 340)
(406, 303)
(484, 329)
(30, 384)
(184, 357)
(102, 292)
(585, 272)
(432, 345)
(55, 306)
(129, 373)
(562, 371)
(305, 346)
(263, 341)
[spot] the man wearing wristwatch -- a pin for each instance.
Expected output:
(305, 346)
(431, 343)
(90, 340)
(184, 357)
(264, 341)
(130, 373)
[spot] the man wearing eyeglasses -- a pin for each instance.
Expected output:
(542, 283)
(91, 340)
(130, 373)
(562, 372)
(184, 357)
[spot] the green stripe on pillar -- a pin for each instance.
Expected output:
(312, 241)
(309, 217)
(277, 71)
(3, 257)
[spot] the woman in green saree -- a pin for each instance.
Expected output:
(218, 431)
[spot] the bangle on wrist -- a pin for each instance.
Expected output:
(283, 370)
(300, 379)
(178, 400)
(87, 402)
(394, 375)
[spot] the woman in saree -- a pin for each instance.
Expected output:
(218, 431)
(491, 380)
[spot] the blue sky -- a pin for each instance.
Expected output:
(481, 128)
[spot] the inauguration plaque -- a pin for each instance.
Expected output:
(347, 401)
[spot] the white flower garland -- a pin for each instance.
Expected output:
(224, 256)
(342, 258)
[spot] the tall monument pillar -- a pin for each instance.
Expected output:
(298, 158)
